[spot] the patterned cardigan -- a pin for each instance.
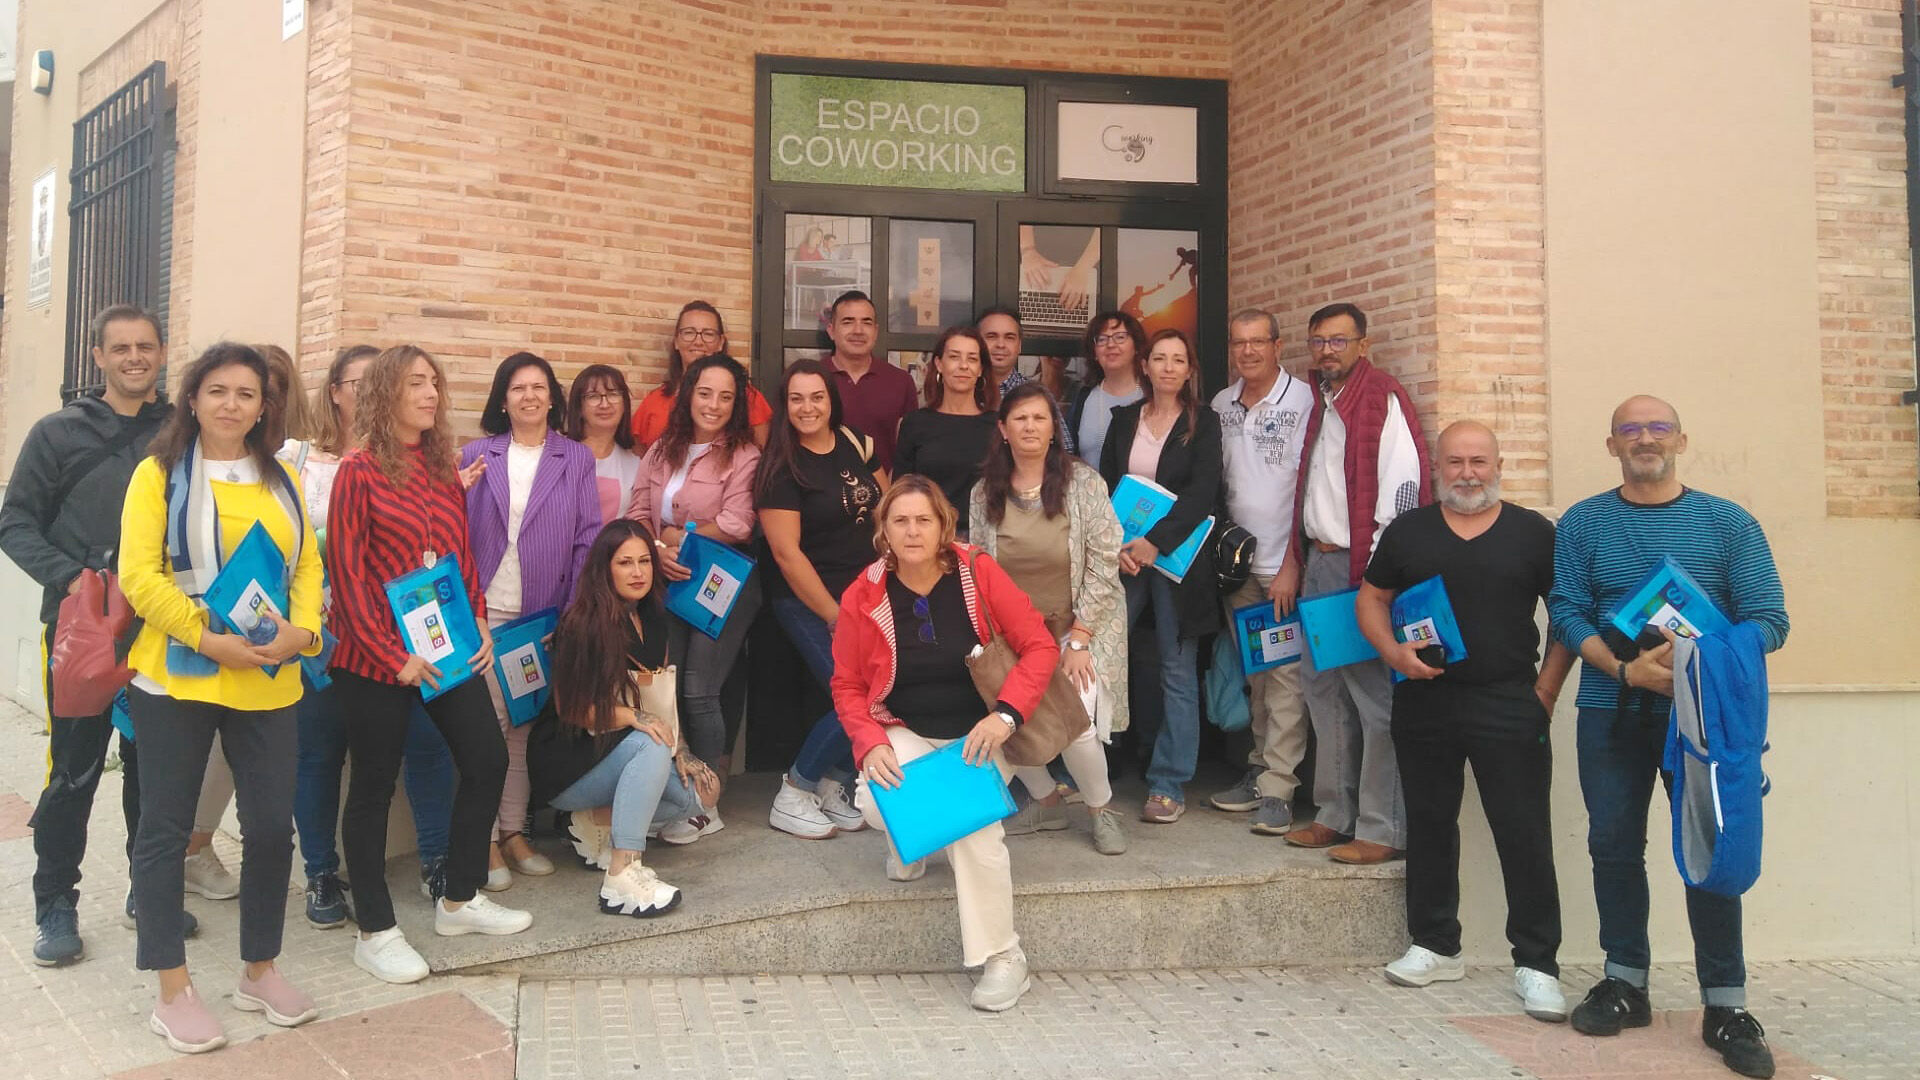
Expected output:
(1093, 564)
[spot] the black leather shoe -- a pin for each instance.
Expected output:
(1740, 1040)
(1612, 1004)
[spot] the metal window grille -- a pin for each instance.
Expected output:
(120, 215)
(1909, 80)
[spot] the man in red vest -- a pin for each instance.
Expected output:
(1366, 463)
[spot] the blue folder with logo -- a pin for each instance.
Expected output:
(436, 622)
(122, 717)
(719, 572)
(1669, 597)
(941, 799)
(1333, 632)
(521, 665)
(1264, 641)
(1423, 615)
(249, 590)
(1140, 503)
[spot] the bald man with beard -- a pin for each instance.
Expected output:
(1490, 710)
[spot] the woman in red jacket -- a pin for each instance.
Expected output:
(902, 689)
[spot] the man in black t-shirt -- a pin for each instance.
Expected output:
(1486, 709)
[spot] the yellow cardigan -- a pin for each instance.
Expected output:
(147, 579)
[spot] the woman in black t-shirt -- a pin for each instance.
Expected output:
(817, 497)
(947, 440)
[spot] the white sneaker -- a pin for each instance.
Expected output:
(1423, 967)
(637, 892)
(209, 877)
(387, 956)
(837, 803)
(479, 915)
(693, 828)
(592, 841)
(899, 871)
(1002, 981)
(1540, 995)
(798, 812)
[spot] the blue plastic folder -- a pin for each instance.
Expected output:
(1140, 503)
(941, 799)
(1333, 632)
(250, 587)
(122, 715)
(719, 572)
(1423, 615)
(436, 622)
(1264, 642)
(1669, 597)
(521, 665)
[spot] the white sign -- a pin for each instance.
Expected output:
(716, 593)
(1282, 642)
(1142, 144)
(253, 608)
(524, 674)
(427, 632)
(40, 240)
(293, 17)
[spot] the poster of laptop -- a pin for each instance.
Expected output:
(826, 254)
(1059, 279)
(1159, 279)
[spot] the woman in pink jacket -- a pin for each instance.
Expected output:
(902, 689)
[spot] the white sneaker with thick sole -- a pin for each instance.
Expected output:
(592, 841)
(1002, 982)
(479, 915)
(685, 832)
(387, 956)
(837, 803)
(636, 891)
(798, 812)
(1540, 995)
(209, 877)
(1423, 967)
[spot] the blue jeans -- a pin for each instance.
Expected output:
(827, 750)
(638, 780)
(1619, 759)
(316, 799)
(1177, 748)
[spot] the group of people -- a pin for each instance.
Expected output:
(896, 528)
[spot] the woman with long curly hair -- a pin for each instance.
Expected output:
(397, 504)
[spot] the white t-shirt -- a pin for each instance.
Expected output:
(1095, 417)
(1325, 513)
(677, 481)
(1261, 451)
(614, 475)
(503, 592)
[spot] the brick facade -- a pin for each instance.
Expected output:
(1865, 274)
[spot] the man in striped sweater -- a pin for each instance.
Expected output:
(1603, 549)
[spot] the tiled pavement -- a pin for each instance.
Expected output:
(1843, 1020)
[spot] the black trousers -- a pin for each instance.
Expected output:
(76, 754)
(1502, 732)
(262, 747)
(375, 714)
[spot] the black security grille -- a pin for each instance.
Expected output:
(119, 215)
(1909, 79)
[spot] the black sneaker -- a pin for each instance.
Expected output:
(58, 942)
(1612, 1004)
(327, 905)
(189, 926)
(1740, 1040)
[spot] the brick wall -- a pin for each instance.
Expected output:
(1866, 293)
(563, 176)
(1331, 173)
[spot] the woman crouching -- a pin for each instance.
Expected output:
(903, 689)
(617, 746)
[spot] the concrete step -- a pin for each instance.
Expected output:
(1203, 892)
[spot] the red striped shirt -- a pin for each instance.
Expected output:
(375, 533)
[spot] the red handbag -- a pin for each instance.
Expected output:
(86, 666)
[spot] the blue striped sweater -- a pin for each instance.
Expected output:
(1604, 546)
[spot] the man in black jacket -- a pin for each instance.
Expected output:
(61, 516)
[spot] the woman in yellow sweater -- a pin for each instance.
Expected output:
(211, 477)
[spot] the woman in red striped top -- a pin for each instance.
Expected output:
(397, 503)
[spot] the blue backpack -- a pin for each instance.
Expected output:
(1228, 703)
(1715, 738)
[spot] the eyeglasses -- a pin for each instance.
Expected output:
(921, 612)
(694, 333)
(348, 384)
(1659, 429)
(602, 397)
(1118, 337)
(1242, 344)
(1337, 344)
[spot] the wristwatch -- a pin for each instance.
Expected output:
(1076, 644)
(1012, 724)
(1622, 674)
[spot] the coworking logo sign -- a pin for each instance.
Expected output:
(831, 129)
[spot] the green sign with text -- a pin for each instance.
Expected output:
(831, 129)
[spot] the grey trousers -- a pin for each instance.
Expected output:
(1356, 777)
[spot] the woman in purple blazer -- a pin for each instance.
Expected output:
(532, 513)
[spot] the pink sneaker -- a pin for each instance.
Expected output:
(283, 1002)
(186, 1024)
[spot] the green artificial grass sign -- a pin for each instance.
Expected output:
(830, 129)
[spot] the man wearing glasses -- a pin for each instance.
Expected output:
(1366, 464)
(1605, 547)
(1263, 416)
